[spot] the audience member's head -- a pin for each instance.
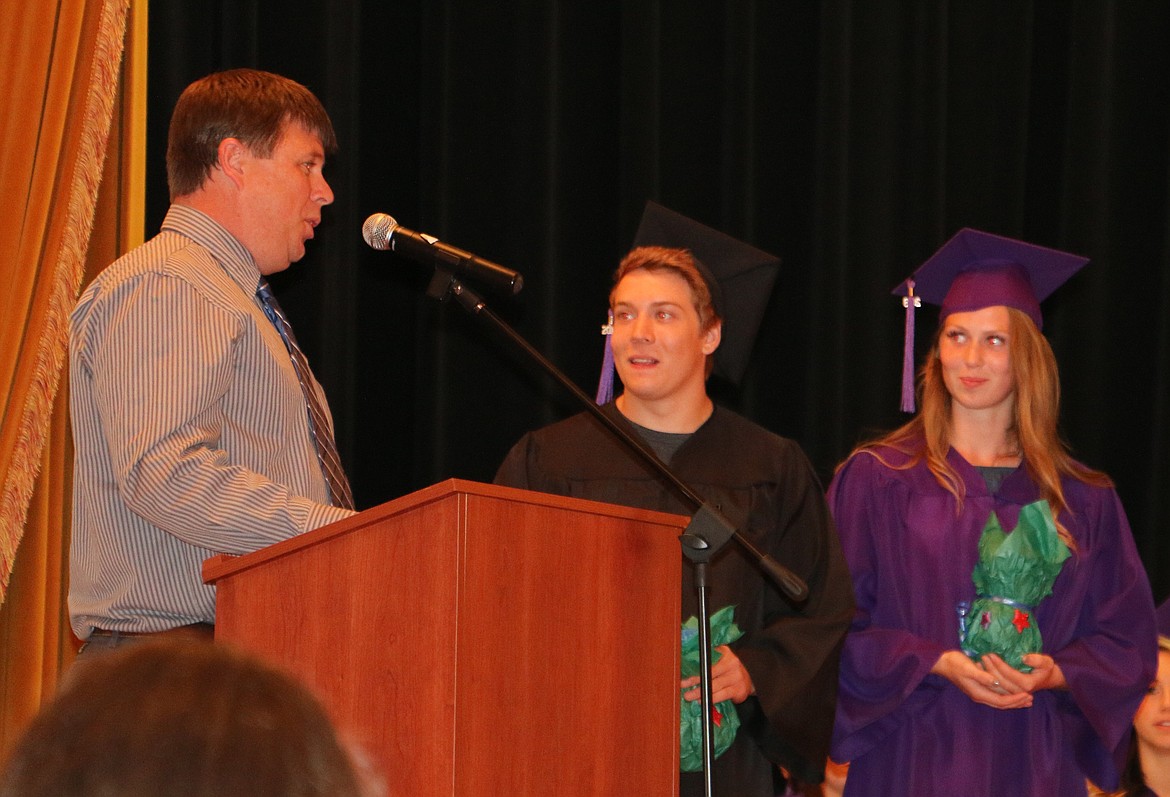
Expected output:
(1151, 732)
(1148, 769)
(184, 721)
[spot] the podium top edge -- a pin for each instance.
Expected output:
(221, 565)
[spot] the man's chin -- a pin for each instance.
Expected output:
(294, 257)
(274, 268)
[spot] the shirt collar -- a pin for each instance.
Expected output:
(233, 256)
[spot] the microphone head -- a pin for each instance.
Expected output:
(378, 229)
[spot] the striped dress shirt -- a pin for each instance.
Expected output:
(189, 430)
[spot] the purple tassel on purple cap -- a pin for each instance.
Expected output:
(605, 384)
(909, 302)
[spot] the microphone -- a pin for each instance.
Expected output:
(382, 232)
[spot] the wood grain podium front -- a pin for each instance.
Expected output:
(480, 640)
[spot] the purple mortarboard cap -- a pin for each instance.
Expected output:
(739, 276)
(1163, 614)
(976, 269)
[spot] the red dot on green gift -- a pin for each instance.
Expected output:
(1020, 621)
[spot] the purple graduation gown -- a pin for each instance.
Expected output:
(911, 554)
(765, 485)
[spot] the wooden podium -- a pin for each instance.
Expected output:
(480, 640)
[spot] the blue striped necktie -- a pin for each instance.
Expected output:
(318, 425)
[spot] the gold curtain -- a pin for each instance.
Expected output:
(69, 100)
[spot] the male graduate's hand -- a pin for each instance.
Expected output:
(730, 680)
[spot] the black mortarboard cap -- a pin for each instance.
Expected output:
(739, 276)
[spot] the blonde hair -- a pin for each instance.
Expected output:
(1033, 429)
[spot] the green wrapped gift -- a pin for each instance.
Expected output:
(1015, 572)
(724, 631)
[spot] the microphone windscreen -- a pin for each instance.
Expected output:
(378, 229)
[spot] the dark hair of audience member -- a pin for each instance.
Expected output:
(182, 720)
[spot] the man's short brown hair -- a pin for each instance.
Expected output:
(245, 104)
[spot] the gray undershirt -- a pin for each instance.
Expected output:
(664, 444)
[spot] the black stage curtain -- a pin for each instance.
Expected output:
(851, 138)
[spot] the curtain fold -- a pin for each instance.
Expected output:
(63, 59)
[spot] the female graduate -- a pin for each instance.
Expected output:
(1004, 630)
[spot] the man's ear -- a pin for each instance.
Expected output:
(712, 337)
(230, 156)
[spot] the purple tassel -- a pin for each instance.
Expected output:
(605, 384)
(909, 302)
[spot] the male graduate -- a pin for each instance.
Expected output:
(687, 300)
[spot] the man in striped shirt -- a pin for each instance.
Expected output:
(196, 432)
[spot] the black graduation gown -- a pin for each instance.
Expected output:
(765, 485)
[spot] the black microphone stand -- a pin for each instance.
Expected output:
(705, 535)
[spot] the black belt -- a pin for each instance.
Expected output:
(197, 630)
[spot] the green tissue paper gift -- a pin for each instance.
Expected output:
(724, 631)
(1015, 572)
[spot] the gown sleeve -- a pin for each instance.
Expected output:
(793, 657)
(882, 665)
(1112, 656)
